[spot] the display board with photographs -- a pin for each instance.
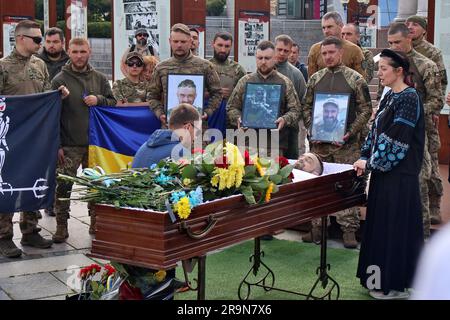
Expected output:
(330, 111)
(253, 28)
(9, 26)
(261, 107)
(130, 15)
(185, 88)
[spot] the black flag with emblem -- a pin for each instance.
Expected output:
(29, 142)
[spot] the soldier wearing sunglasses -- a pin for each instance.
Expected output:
(132, 91)
(21, 73)
(143, 46)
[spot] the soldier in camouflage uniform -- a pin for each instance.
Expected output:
(340, 79)
(229, 71)
(427, 80)
(350, 32)
(182, 62)
(266, 73)
(418, 27)
(22, 73)
(131, 90)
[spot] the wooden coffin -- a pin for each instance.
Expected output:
(150, 239)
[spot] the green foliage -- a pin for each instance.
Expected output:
(98, 10)
(215, 7)
(99, 29)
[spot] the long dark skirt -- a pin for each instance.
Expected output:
(393, 235)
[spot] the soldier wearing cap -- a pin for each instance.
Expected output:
(417, 26)
(132, 90)
(337, 78)
(182, 62)
(427, 81)
(331, 129)
(143, 46)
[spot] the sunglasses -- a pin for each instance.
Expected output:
(142, 35)
(134, 63)
(36, 40)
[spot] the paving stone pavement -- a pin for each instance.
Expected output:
(51, 274)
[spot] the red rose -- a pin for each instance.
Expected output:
(198, 151)
(248, 161)
(283, 163)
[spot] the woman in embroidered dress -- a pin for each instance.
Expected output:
(393, 152)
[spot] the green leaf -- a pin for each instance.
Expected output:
(260, 186)
(247, 191)
(286, 171)
(276, 178)
(264, 162)
(208, 168)
(250, 170)
(189, 172)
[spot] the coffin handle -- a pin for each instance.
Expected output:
(198, 235)
(357, 182)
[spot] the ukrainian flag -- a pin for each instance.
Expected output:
(116, 133)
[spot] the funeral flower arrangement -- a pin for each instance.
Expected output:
(220, 170)
(121, 282)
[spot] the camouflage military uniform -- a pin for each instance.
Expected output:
(368, 64)
(343, 80)
(427, 82)
(157, 93)
(435, 183)
(335, 134)
(289, 107)
(230, 72)
(424, 176)
(19, 76)
(129, 92)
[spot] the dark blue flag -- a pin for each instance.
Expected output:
(29, 142)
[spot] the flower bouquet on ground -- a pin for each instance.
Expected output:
(107, 288)
(218, 171)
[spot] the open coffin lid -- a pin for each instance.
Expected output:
(150, 239)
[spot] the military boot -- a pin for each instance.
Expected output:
(61, 233)
(315, 235)
(350, 240)
(35, 240)
(8, 249)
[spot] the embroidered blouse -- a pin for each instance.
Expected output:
(397, 138)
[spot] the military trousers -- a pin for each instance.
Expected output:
(424, 179)
(435, 187)
(73, 158)
(348, 219)
(28, 223)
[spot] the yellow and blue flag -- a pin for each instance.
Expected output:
(116, 133)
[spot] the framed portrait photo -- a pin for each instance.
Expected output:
(330, 111)
(261, 105)
(185, 88)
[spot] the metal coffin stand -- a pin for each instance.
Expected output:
(149, 239)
